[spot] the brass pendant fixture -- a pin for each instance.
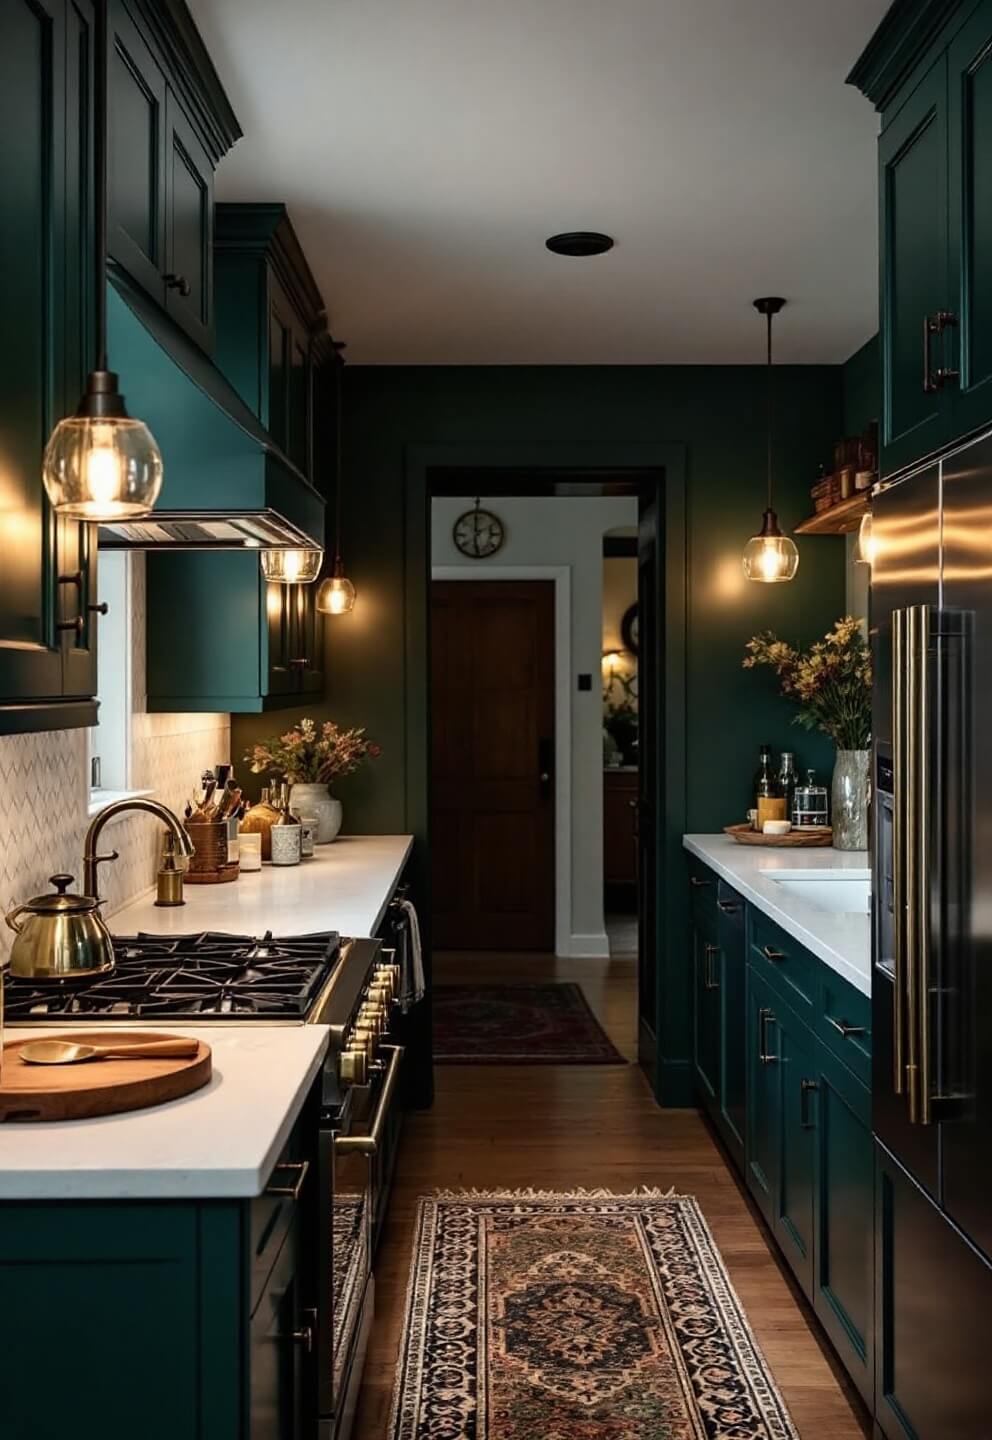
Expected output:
(100, 465)
(336, 594)
(770, 557)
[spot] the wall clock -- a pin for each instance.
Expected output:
(630, 630)
(478, 533)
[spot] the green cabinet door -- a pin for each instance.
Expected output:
(764, 1107)
(706, 965)
(843, 1279)
(47, 653)
(797, 1072)
(914, 281)
(969, 70)
(189, 208)
(732, 935)
(136, 209)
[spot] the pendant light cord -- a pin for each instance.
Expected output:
(101, 141)
(771, 409)
(338, 473)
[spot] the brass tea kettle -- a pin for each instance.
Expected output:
(63, 936)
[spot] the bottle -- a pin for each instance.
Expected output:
(787, 781)
(286, 833)
(769, 802)
(260, 819)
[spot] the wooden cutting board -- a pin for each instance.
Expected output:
(96, 1087)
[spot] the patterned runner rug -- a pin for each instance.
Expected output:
(518, 1025)
(576, 1317)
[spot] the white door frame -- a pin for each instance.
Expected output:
(562, 577)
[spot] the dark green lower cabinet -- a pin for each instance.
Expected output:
(793, 1214)
(706, 1014)
(764, 1104)
(718, 1050)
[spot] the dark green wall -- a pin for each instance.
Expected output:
(862, 381)
(718, 413)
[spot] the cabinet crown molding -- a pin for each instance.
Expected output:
(903, 37)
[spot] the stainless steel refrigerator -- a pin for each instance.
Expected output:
(931, 627)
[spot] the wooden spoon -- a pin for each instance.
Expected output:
(65, 1052)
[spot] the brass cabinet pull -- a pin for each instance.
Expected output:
(303, 1337)
(698, 884)
(369, 1144)
(300, 1168)
(842, 1027)
(180, 283)
(898, 847)
(710, 982)
(764, 1057)
(770, 953)
(936, 324)
(805, 1087)
(729, 907)
(77, 623)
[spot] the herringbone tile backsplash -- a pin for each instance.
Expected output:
(44, 791)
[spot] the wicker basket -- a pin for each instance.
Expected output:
(209, 864)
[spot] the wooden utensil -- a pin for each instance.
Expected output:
(66, 1052)
(77, 1092)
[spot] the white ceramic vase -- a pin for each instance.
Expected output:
(317, 800)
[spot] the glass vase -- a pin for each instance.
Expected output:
(850, 800)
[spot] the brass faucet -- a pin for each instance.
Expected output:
(90, 857)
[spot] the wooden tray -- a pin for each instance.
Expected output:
(96, 1087)
(744, 835)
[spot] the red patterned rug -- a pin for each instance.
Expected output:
(576, 1317)
(518, 1025)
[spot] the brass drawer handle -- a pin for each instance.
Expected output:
(842, 1027)
(698, 884)
(770, 953)
(729, 907)
(300, 1167)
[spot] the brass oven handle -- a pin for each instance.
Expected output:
(293, 1191)
(842, 1027)
(369, 1144)
(924, 945)
(898, 847)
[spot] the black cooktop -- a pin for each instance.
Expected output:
(189, 977)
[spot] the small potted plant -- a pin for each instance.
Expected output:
(309, 758)
(831, 684)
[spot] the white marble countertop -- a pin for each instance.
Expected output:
(345, 887)
(842, 941)
(219, 1142)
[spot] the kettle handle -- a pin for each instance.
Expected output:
(11, 918)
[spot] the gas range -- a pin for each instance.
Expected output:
(209, 978)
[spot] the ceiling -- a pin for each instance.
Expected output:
(426, 149)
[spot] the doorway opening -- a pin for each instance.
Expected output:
(543, 769)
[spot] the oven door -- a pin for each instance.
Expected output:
(351, 1154)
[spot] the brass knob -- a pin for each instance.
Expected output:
(368, 1039)
(382, 992)
(354, 1065)
(371, 1016)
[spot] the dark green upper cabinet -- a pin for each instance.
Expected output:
(914, 279)
(170, 125)
(47, 628)
(928, 71)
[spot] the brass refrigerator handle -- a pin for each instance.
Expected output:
(911, 841)
(898, 844)
(369, 1144)
(924, 737)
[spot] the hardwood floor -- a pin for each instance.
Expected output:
(564, 1127)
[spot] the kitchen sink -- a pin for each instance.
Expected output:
(844, 892)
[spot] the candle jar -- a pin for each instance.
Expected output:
(251, 850)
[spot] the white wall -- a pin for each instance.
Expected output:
(44, 791)
(565, 532)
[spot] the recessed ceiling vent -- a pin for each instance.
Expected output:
(580, 242)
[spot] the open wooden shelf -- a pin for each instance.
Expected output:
(840, 519)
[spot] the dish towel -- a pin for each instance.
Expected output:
(412, 979)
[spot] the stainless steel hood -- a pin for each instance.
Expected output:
(226, 486)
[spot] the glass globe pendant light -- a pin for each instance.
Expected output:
(291, 567)
(770, 557)
(336, 594)
(100, 465)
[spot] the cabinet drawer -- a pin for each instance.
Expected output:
(702, 892)
(843, 1023)
(790, 968)
(274, 1211)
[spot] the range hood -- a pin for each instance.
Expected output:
(226, 487)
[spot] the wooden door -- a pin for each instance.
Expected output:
(492, 786)
(914, 263)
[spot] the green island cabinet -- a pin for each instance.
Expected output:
(928, 70)
(172, 1320)
(219, 636)
(782, 1067)
(48, 619)
(170, 125)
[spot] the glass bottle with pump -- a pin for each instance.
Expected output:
(787, 781)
